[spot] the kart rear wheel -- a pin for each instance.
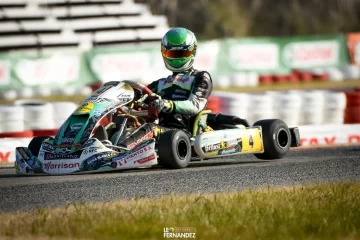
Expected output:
(35, 144)
(174, 149)
(276, 139)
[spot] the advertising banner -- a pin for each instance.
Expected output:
(5, 67)
(144, 62)
(53, 71)
(317, 51)
(313, 135)
(353, 43)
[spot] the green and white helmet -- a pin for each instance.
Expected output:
(178, 48)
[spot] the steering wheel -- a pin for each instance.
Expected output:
(144, 90)
(139, 86)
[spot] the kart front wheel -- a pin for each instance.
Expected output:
(174, 149)
(35, 144)
(276, 139)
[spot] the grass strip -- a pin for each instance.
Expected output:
(329, 211)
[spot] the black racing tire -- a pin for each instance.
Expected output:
(35, 144)
(276, 139)
(174, 149)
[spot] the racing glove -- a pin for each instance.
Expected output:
(160, 104)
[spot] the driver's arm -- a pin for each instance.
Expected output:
(197, 100)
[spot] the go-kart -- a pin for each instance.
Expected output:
(82, 144)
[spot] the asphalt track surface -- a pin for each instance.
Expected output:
(300, 166)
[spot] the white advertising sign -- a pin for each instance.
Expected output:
(121, 66)
(206, 56)
(329, 134)
(254, 56)
(311, 54)
(55, 70)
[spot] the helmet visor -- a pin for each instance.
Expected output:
(177, 53)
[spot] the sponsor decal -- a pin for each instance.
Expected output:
(124, 95)
(50, 165)
(123, 100)
(58, 156)
(147, 136)
(89, 143)
(180, 91)
(212, 147)
(227, 151)
(68, 146)
(96, 161)
(102, 90)
(98, 112)
(47, 147)
(85, 107)
(181, 79)
(178, 96)
(76, 126)
(232, 142)
(23, 154)
(221, 145)
(102, 156)
(145, 159)
(97, 100)
(67, 140)
(131, 155)
(90, 150)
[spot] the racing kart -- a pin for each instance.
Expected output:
(83, 144)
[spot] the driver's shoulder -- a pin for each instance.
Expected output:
(201, 75)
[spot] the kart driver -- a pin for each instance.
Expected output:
(179, 96)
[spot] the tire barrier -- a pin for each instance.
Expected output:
(35, 116)
(61, 111)
(352, 113)
(293, 107)
(335, 105)
(11, 119)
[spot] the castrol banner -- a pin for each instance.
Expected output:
(329, 134)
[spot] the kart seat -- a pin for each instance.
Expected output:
(101, 133)
(216, 120)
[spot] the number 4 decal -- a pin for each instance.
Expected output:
(251, 141)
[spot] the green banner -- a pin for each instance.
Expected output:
(144, 62)
(280, 55)
(52, 71)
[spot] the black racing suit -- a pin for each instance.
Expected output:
(189, 92)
